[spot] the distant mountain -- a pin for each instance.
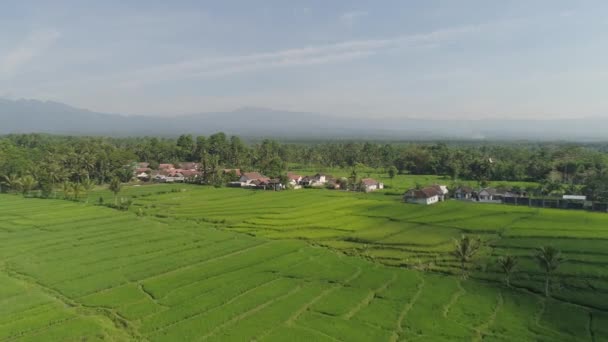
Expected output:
(26, 116)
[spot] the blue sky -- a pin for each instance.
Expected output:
(433, 59)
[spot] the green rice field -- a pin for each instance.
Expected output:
(200, 263)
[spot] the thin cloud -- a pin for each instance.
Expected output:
(312, 55)
(351, 17)
(33, 45)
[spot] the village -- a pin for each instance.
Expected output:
(191, 172)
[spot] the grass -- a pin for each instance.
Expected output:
(201, 263)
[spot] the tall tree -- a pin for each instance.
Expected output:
(115, 186)
(465, 249)
(507, 265)
(11, 182)
(27, 184)
(549, 259)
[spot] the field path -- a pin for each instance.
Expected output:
(232, 300)
(480, 330)
(365, 302)
(461, 292)
(107, 317)
(250, 312)
(398, 328)
(590, 327)
(306, 306)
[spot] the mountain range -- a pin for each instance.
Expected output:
(28, 116)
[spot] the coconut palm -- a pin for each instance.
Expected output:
(115, 187)
(28, 183)
(507, 265)
(77, 189)
(549, 259)
(10, 182)
(464, 250)
(87, 186)
(66, 187)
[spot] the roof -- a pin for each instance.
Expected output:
(442, 189)
(427, 192)
(575, 197)
(293, 176)
(188, 166)
(465, 189)
(490, 191)
(369, 181)
(254, 175)
(189, 173)
(142, 169)
(165, 166)
(236, 171)
(143, 164)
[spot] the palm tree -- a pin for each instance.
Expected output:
(115, 187)
(87, 186)
(28, 183)
(507, 264)
(11, 182)
(465, 249)
(549, 259)
(77, 189)
(67, 189)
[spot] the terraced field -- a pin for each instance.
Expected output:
(229, 264)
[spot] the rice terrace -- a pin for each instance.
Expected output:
(198, 263)
(302, 171)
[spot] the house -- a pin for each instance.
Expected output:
(189, 174)
(274, 184)
(189, 166)
(491, 195)
(252, 179)
(464, 193)
(575, 197)
(442, 191)
(424, 196)
(143, 176)
(370, 184)
(236, 172)
(294, 180)
(317, 180)
(165, 167)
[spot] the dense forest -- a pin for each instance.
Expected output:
(46, 161)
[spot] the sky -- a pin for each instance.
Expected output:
(393, 58)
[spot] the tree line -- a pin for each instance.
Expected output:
(548, 259)
(51, 160)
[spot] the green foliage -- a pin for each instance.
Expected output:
(465, 249)
(549, 259)
(177, 277)
(507, 264)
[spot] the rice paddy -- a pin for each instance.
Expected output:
(199, 263)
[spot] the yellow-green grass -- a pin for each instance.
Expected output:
(407, 235)
(402, 182)
(74, 271)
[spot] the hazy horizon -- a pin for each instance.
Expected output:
(432, 60)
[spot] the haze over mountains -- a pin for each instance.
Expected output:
(27, 116)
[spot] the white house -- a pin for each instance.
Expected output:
(370, 184)
(294, 180)
(491, 195)
(425, 196)
(317, 180)
(249, 179)
(575, 197)
(464, 193)
(442, 191)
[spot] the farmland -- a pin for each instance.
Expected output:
(199, 263)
